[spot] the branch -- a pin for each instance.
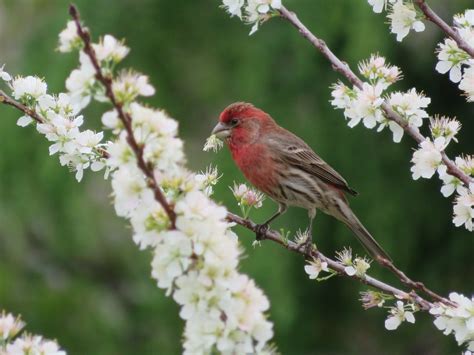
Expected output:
(450, 31)
(7, 100)
(333, 264)
(126, 119)
(346, 71)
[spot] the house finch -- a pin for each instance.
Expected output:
(285, 168)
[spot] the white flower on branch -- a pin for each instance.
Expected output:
(376, 70)
(366, 106)
(450, 182)
(466, 164)
(109, 49)
(10, 326)
(467, 83)
(458, 320)
(427, 159)
(81, 82)
(28, 89)
(379, 5)
(464, 209)
(233, 7)
(451, 58)
(345, 256)
(410, 105)
(444, 127)
(68, 38)
(33, 344)
(403, 18)
(252, 11)
(358, 267)
(314, 268)
(129, 85)
(371, 299)
(208, 179)
(399, 314)
(464, 20)
(4, 75)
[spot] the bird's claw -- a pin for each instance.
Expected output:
(260, 231)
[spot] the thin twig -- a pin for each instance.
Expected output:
(7, 100)
(126, 119)
(450, 31)
(346, 71)
(332, 264)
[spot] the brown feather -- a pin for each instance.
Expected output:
(294, 151)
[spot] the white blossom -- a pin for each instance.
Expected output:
(110, 49)
(403, 18)
(251, 11)
(450, 182)
(4, 75)
(33, 344)
(366, 106)
(234, 7)
(28, 88)
(379, 5)
(345, 256)
(81, 82)
(247, 196)
(129, 85)
(458, 320)
(376, 70)
(467, 83)
(464, 209)
(398, 315)
(451, 58)
(358, 267)
(444, 127)
(10, 326)
(314, 267)
(69, 39)
(427, 159)
(207, 179)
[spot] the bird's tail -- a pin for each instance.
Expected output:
(365, 238)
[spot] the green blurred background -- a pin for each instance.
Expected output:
(68, 264)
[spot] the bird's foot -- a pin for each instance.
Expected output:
(260, 231)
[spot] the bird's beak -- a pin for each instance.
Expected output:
(221, 130)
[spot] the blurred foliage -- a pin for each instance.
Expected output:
(68, 264)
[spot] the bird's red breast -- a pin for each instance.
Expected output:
(256, 163)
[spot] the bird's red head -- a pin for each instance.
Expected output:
(242, 123)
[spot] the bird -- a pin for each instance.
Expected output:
(286, 169)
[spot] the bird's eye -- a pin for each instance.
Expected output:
(234, 121)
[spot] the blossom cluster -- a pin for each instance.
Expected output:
(353, 267)
(11, 343)
(252, 11)
(402, 16)
(60, 123)
(247, 198)
(455, 60)
(195, 255)
(365, 105)
(458, 320)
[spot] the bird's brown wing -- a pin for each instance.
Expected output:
(297, 153)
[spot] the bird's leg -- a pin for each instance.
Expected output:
(309, 232)
(263, 228)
